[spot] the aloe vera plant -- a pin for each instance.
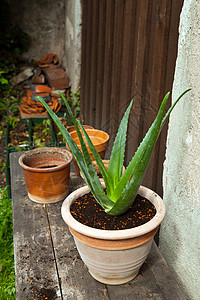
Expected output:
(121, 189)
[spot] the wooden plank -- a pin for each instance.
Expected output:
(116, 69)
(35, 267)
(76, 282)
(138, 79)
(170, 69)
(158, 76)
(83, 57)
(108, 61)
(165, 280)
(86, 61)
(155, 281)
(47, 262)
(100, 62)
(135, 44)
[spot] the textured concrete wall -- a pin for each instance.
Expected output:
(44, 20)
(55, 27)
(72, 58)
(180, 231)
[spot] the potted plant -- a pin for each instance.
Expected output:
(113, 256)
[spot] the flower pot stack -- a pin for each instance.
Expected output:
(49, 77)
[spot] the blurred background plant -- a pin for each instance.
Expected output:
(74, 102)
(7, 272)
(42, 133)
(13, 42)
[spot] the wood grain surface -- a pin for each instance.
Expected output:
(48, 266)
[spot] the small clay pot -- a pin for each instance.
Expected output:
(100, 140)
(46, 172)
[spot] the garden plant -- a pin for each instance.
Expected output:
(121, 189)
(7, 272)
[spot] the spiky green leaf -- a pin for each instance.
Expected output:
(82, 158)
(117, 155)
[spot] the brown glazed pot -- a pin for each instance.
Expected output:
(100, 140)
(46, 172)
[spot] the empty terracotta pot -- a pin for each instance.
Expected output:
(46, 172)
(98, 137)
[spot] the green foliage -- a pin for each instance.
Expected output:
(13, 40)
(3, 80)
(41, 132)
(9, 100)
(12, 121)
(2, 129)
(74, 102)
(121, 189)
(2, 166)
(7, 273)
(9, 107)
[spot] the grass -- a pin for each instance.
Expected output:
(7, 272)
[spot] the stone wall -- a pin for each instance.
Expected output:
(180, 231)
(55, 28)
(72, 57)
(44, 21)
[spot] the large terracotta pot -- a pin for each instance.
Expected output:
(98, 137)
(46, 172)
(114, 256)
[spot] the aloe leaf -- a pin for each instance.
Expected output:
(117, 155)
(92, 148)
(95, 184)
(172, 107)
(89, 165)
(98, 160)
(140, 160)
(132, 178)
(84, 162)
(127, 187)
(122, 189)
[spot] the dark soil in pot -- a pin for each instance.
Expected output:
(88, 212)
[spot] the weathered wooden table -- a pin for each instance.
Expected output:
(47, 263)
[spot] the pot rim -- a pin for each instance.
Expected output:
(100, 147)
(154, 198)
(72, 128)
(105, 136)
(45, 149)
